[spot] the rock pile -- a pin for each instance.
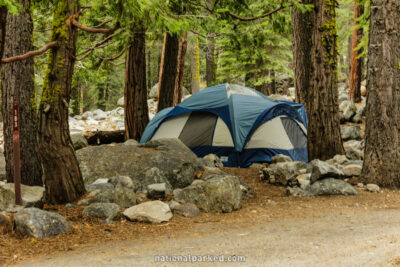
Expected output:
(315, 178)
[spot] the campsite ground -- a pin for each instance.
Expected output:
(271, 229)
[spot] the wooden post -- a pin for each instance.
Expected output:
(16, 153)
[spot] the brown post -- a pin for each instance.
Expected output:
(16, 153)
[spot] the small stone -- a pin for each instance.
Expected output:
(39, 224)
(70, 206)
(280, 158)
(352, 170)
(103, 210)
(340, 159)
(373, 188)
(212, 160)
(173, 204)
(256, 166)
(197, 181)
(361, 185)
(187, 210)
(157, 191)
(150, 212)
(122, 181)
(101, 181)
(131, 142)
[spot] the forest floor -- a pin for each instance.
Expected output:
(271, 228)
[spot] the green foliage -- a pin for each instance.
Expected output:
(12, 6)
(250, 49)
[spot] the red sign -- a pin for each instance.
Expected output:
(16, 153)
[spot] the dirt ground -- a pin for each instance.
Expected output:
(271, 229)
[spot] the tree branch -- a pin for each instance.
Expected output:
(114, 57)
(103, 23)
(99, 44)
(253, 18)
(93, 29)
(30, 53)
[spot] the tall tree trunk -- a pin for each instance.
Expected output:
(178, 89)
(3, 21)
(17, 85)
(195, 66)
(148, 68)
(168, 71)
(382, 146)
(302, 34)
(63, 178)
(210, 60)
(135, 93)
(324, 139)
(356, 63)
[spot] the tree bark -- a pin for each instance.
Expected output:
(356, 63)
(382, 151)
(17, 85)
(302, 34)
(148, 68)
(324, 139)
(135, 93)
(210, 60)
(168, 71)
(195, 67)
(63, 178)
(3, 21)
(178, 89)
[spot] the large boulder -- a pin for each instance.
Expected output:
(38, 223)
(170, 158)
(351, 132)
(221, 193)
(320, 169)
(32, 196)
(78, 141)
(331, 186)
(283, 173)
(150, 212)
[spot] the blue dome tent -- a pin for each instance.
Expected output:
(237, 123)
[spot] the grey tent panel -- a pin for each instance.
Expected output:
(199, 129)
(295, 133)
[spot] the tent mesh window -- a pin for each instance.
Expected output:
(199, 129)
(296, 135)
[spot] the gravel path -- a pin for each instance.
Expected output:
(350, 238)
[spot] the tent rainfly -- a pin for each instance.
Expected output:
(239, 124)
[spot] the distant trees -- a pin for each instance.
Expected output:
(356, 61)
(382, 146)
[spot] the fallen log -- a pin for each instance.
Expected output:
(105, 137)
